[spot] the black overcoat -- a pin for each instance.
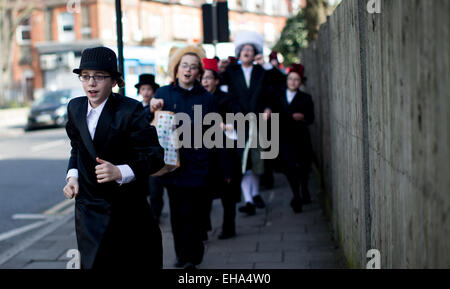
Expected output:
(114, 223)
(226, 162)
(250, 99)
(295, 141)
(253, 99)
(194, 162)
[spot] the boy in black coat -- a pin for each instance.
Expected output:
(114, 150)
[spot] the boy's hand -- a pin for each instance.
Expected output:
(259, 58)
(71, 188)
(107, 172)
(298, 116)
(156, 104)
(267, 113)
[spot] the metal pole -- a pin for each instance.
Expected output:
(120, 41)
(214, 24)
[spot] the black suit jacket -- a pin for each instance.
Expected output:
(111, 219)
(251, 99)
(295, 141)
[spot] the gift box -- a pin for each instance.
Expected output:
(164, 122)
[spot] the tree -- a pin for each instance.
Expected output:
(12, 14)
(316, 12)
(293, 39)
(302, 29)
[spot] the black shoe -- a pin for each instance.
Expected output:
(306, 198)
(189, 266)
(265, 187)
(205, 236)
(249, 208)
(296, 205)
(259, 202)
(226, 235)
(179, 264)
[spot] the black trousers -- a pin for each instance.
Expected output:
(229, 213)
(156, 196)
(128, 248)
(299, 178)
(187, 213)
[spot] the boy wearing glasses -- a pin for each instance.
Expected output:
(114, 150)
(187, 185)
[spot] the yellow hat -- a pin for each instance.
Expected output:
(175, 59)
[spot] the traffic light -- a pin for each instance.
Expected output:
(215, 23)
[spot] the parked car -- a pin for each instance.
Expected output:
(51, 108)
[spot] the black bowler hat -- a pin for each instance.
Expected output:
(99, 58)
(147, 78)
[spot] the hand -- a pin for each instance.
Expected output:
(156, 104)
(267, 113)
(298, 116)
(71, 188)
(226, 127)
(107, 172)
(259, 58)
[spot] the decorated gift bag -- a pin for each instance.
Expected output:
(164, 122)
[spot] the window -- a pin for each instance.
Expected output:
(232, 4)
(268, 7)
(66, 23)
(23, 33)
(269, 32)
(85, 22)
(155, 25)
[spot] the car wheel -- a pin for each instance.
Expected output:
(60, 121)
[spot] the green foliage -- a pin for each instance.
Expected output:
(293, 39)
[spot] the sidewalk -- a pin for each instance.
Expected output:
(13, 121)
(275, 238)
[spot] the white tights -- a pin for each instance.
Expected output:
(250, 186)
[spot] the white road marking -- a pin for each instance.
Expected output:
(28, 241)
(47, 145)
(31, 216)
(56, 212)
(67, 211)
(23, 229)
(53, 210)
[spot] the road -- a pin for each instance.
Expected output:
(32, 167)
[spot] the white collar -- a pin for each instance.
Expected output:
(247, 68)
(290, 95)
(98, 108)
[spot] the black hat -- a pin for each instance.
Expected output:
(147, 78)
(99, 58)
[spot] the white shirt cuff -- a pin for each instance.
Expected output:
(267, 66)
(224, 88)
(127, 174)
(72, 173)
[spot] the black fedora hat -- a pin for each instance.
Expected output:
(147, 78)
(99, 58)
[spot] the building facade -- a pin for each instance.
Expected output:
(49, 44)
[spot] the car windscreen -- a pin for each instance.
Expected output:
(54, 97)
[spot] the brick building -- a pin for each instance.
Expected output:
(49, 44)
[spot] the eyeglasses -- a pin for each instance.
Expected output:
(208, 78)
(97, 78)
(186, 66)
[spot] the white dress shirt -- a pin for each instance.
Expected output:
(290, 95)
(92, 117)
(247, 74)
